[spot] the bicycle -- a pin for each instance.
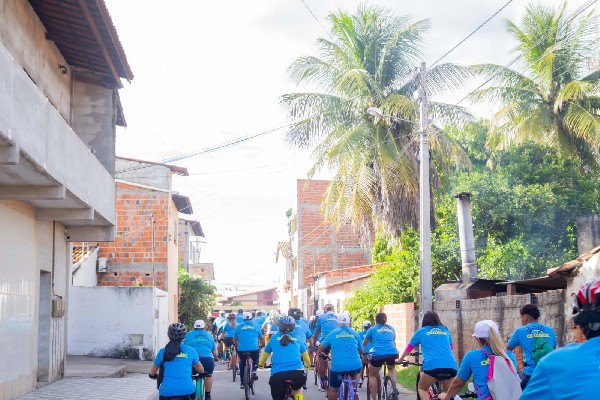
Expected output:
(436, 388)
(199, 380)
(233, 361)
(324, 362)
(386, 388)
(248, 381)
(314, 363)
(288, 390)
(347, 390)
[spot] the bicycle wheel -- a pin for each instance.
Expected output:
(391, 393)
(342, 395)
(200, 389)
(234, 365)
(247, 382)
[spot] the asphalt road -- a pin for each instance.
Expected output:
(225, 389)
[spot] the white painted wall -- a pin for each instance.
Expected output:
(18, 288)
(84, 272)
(96, 329)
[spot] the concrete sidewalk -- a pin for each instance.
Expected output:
(100, 379)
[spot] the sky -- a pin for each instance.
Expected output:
(208, 72)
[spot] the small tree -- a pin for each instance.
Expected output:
(196, 298)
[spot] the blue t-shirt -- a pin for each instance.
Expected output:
(177, 377)
(201, 341)
(435, 344)
(259, 321)
(326, 323)
(571, 372)
(477, 363)
(247, 336)
(345, 344)
(525, 337)
(285, 358)
(382, 337)
(362, 335)
(239, 318)
(229, 330)
(270, 326)
(302, 330)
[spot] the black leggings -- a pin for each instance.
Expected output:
(277, 382)
(253, 355)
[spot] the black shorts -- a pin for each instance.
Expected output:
(228, 341)
(191, 396)
(441, 374)
(277, 382)
(389, 360)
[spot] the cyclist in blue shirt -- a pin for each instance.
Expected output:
(383, 338)
(246, 340)
(301, 330)
(572, 372)
(346, 352)
(259, 319)
(366, 325)
(325, 324)
(288, 362)
(227, 332)
(239, 317)
(477, 363)
(436, 344)
(204, 344)
(525, 337)
(219, 321)
(173, 365)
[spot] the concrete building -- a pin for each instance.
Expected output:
(283, 260)
(144, 195)
(260, 298)
(61, 66)
(317, 246)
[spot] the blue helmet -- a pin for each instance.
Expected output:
(286, 324)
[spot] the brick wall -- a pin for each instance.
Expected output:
(460, 316)
(130, 255)
(402, 318)
(321, 247)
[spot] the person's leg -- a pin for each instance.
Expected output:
(209, 366)
(335, 380)
(299, 378)
(524, 380)
(241, 368)
(373, 372)
(277, 387)
(255, 356)
(424, 382)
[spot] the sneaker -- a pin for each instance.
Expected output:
(322, 389)
(254, 376)
(241, 385)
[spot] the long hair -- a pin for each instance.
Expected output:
(496, 344)
(431, 319)
(233, 323)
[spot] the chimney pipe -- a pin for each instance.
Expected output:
(465, 232)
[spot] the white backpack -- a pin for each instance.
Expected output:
(502, 380)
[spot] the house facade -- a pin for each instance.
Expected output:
(317, 246)
(58, 114)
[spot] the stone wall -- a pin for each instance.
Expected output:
(403, 318)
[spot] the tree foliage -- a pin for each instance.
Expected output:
(548, 98)
(369, 61)
(196, 298)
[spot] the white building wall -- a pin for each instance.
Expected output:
(32, 341)
(84, 274)
(95, 329)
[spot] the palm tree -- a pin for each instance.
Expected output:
(369, 60)
(547, 99)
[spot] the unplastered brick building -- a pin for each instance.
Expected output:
(317, 246)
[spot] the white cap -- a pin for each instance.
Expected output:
(247, 315)
(319, 313)
(343, 319)
(482, 328)
(199, 324)
(366, 323)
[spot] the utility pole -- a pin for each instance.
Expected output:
(425, 301)
(154, 316)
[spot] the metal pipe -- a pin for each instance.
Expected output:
(465, 232)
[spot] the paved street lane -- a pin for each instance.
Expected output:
(225, 389)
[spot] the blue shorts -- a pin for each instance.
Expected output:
(335, 378)
(209, 365)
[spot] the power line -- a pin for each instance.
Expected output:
(317, 19)
(472, 33)
(575, 13)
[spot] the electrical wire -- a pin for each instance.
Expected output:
(317, 19)
(472, 33)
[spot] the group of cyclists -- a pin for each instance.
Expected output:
(569, 372)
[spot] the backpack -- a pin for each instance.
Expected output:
(540, 348)
(502, 380)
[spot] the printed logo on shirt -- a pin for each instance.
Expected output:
(536, 333)
(248, 327)
(332, 319)
(436, 331)
(291, 337)
(344, 335)
(200, 339)
(485, 362)
(384, 329)
(181, 355)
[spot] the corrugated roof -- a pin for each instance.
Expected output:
(195, 226)
(573, 265)
(183, 203)
(86, 37)
(174, 168)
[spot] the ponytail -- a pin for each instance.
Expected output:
(497, 345)
(285, 339)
